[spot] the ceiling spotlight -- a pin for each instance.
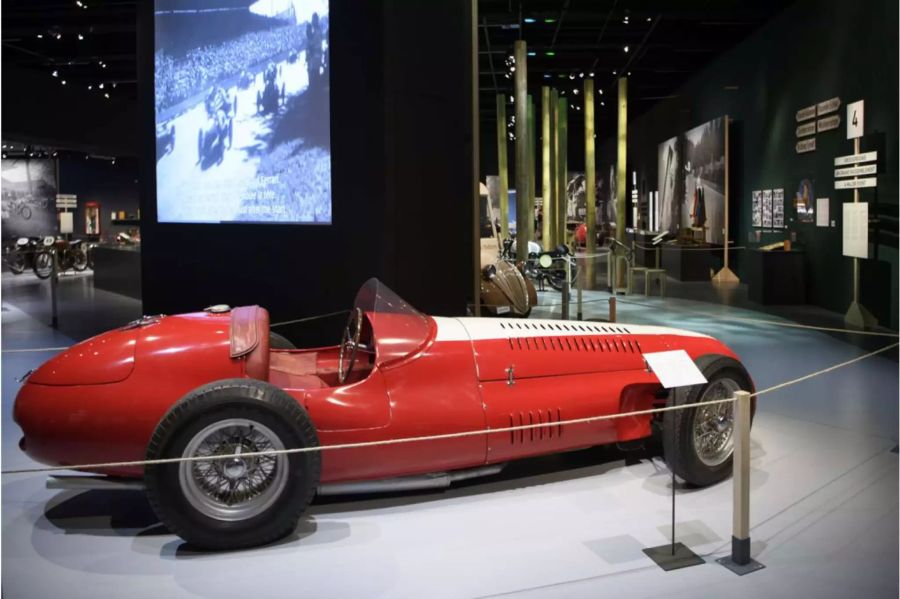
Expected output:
(649, 19)
(106, 96)
(532, 53)
(59, 36)
(629, 73)
(591, 74)
(512, 69)
(80, 37)
(114, 84)
(626, 49)
(40, 36)
(100, 86)
(581, 75)
(79, 3)
(90, 87)
(55, 73)
(600, 91)
(571, 75)
(602, 103)
(529, 20)
(575, 91)
(102, 65)
(55, 153)
(63, 81)
(547, 75)
(615, 73)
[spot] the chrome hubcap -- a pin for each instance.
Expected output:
(714, 425)
(237, 488)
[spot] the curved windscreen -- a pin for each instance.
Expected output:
(398, 328)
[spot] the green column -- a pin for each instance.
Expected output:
(622, 148)
(532, 193)
(546, 174)
(501, 165)
(590, 180)
(523, 192)
(561, 170)
(554, 164)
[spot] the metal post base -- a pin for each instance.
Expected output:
(668, 560)
(726, 277)
(740, 561)
(858, 317)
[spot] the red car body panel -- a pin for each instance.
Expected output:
(101, 400)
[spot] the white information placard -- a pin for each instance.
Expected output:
(855, 120)
(674, 369)
(856, 183)
(856, 158)
(856, 229)
(822, 212)
(66, 223)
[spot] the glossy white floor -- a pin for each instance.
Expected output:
(824, 506)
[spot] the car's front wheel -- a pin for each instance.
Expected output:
(238, 501)
(698, 442)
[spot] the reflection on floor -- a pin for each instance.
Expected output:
(824, 497)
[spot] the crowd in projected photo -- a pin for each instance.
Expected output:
(242, 111)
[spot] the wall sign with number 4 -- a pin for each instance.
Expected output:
(855, 120)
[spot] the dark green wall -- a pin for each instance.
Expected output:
(811, 52)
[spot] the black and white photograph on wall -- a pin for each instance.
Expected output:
(576, 197)
(778, 208)
(757, 208)
(767, 208)
(805, 201)
(29, 198)
(668, 171)
(703, 205)
(242, 111)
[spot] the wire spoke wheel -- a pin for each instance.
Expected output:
(236, 488)
(713, 426)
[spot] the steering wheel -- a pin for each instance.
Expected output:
(349, 345)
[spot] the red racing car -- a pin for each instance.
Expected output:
(217, 383)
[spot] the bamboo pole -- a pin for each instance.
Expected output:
(590, 182)
(523, 192)
(562, 170)
(546, 174)
(502, 168)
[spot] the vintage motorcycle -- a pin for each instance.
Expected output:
(30, 252)
(71, 255)
(550, 267)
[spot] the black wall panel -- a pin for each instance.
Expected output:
(401, 169)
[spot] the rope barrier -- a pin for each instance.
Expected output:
(463, 434)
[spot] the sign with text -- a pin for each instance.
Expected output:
(856, 171)
(855, 119)
(828, 106)
(822, 212)
(856, 229)
(828, 123)
(804, 114)
(66, 201)
(806, 145)
(855, 183)
(806, 129)
(856, 158)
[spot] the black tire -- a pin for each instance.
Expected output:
(79, 260)
(277, 341)
(26, 212)
(677, 426)
(43, 264)
(233, 398)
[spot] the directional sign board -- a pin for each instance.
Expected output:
(855, 120)
(806, 145)
(804, 114)
(828, 106)
(66, 201)
(806, 129)
(855, 183)
(856, 171)
(828, 123)
(856, 158)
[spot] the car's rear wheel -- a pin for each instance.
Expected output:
(240, 501)
(698, 443)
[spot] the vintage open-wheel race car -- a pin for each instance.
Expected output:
(219, 383)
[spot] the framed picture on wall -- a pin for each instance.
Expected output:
(92, 218)
(757, 208)
(778, 208)
(767, 208)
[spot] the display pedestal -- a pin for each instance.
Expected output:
(672, 557)
(689, 263)
(859, 318)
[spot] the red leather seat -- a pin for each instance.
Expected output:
(292, 370)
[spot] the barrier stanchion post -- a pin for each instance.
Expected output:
(612, 309)
(580, 283)
(567, 285)
(740, 561)
(54, 283)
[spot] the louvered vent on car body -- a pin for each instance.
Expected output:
(576, 343)
(539, 433)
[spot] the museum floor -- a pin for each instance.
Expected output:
(824, 494)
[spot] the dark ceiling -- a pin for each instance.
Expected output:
(92, 42)
(86, 42)
(667, 43)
